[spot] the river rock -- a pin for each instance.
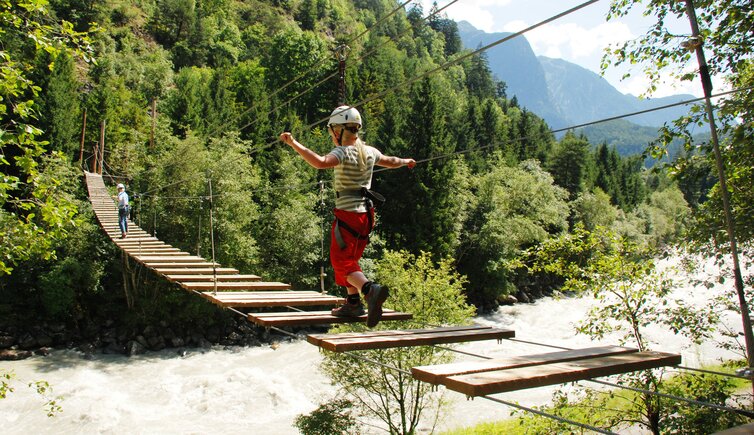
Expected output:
(44, 340)
(43, 351)
(507, 300)
(523, 297)
(14, 354)
(27, 342)
(135, 348)
(114, 349)
(6, 341)
(156, 343)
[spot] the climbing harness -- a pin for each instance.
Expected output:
(371, 198)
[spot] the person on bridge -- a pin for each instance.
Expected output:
(354, 162)
(123, 209)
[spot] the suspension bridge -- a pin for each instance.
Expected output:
(227, 287)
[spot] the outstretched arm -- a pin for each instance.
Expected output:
(312, 158)
(395, 162)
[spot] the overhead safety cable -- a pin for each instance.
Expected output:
(335, 73)
(447, 64)
(305, 73)
(427, 73)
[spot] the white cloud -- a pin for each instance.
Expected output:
(515, 26)
(638, 83)
(476, 12)
(578, 43)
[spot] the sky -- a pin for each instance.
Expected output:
(579, 37)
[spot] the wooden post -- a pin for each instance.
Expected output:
(341, 52)
(83, 133)
(101, 146)
(154, 121)
(95, 157)
(730, 225)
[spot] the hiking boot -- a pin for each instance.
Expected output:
(348, 310)
(376, 296)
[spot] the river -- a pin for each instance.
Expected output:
(261, 390)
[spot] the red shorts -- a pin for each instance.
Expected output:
(346, 261)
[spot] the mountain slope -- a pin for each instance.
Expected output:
(583, 96)
(515, 63)
(565, 94)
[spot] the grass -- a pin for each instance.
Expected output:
(584, 410)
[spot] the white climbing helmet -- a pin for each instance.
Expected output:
(345, 115)
(121, 186)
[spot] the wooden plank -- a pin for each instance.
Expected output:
(433, 373)
(500, 381)
(186, 258)
(153, 250)
(136, 252)
(272, 299)
(405, 338)
(195, 270)
(210, 278)
(141, 241)
(179, 265)
(225, 286)
(301, 318)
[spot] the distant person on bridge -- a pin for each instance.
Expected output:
(354, 162)
(123, 209)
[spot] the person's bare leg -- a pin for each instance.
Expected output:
(376, 295)
(357, 281)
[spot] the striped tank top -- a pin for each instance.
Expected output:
(348, 176)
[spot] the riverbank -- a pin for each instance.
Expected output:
(262, 389)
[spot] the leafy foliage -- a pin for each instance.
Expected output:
(331, 418)
(433, 293)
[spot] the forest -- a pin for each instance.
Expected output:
(185, 94)
(496, 182)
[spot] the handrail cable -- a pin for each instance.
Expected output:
(713, 372)
(335, 73)
(468, 150)
(746, 413)
(586, 124)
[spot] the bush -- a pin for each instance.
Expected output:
(331, 418)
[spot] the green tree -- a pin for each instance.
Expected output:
(32, 215)
(425, 208)
(569, 164)
(630, 294)
(433, 293)
(59, 107)
(721, 27)
(173, 21)
(331, 418)
(294, 54)
(593, 210)
(514, 208)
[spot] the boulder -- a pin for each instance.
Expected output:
(14, 354)
(7, 341)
